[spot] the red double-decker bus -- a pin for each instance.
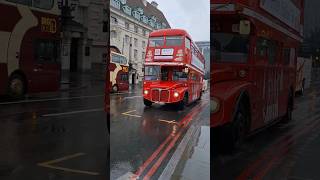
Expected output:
(254, 64)
(174, 68)
(29, 49)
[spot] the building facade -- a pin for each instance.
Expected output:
(84, 40)
(131, 21)
(204, 47)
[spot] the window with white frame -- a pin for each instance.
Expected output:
(115, 3)
(135, 41)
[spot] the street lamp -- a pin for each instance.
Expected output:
(66, 10)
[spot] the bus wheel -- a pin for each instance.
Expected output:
(288, 116)
(147, 102)
(17, 86)
(234, 134)
(184, 102)
(115, 88)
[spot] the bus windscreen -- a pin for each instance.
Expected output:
(151, 73)
(156, 41)
(228, 47)
(174, 40)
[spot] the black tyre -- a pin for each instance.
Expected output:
(147, 102)
(115, 88)
(184, 102)
(234, 134)
(17, 86)
(288, 117)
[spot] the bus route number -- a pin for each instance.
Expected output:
(48, 25)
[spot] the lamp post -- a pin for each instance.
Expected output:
(66, 10)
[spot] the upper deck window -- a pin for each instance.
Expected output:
(228, 47)
(47, 4)
(156, 41)
(174, 40)
(118, 59)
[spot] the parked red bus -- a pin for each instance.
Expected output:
(119, 72)
(29, 49)
(254, 64)
(174, 68)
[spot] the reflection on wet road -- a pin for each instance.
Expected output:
(60, 135)
(283, 151)
(142, 139)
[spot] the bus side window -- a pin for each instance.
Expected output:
(286, 56)
(46, 51)
(272, 52)
(188, 43)
(261, 47)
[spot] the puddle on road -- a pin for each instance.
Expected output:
(195, 162)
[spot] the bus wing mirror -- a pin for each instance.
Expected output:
(245, 27)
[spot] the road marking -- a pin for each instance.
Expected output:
(48, 164)
(131, 97)
(132, 115)
(50, 99)
(169, 122)
(170, 142)
(72, 112)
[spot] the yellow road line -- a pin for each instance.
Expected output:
(132, 115)
(169, 122)
(70, 170)
(48, 164)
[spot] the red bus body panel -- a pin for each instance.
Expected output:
(40, 76)
(163, 91)
(266, 85)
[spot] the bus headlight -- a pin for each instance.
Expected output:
(175, 94)
(214, 105)
(146, 92)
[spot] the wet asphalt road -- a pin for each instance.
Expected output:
(283, 151)
(60, 135)
(141, 137)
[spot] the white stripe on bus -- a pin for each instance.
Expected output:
(27, 21)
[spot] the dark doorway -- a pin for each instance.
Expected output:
(74, 55)
(133, 79)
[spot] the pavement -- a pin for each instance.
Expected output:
(57, 135)
(282, 151)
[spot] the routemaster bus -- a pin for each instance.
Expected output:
(254, 64)
(119, 72)
(174, 69)
(29, 49)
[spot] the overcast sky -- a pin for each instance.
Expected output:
(191, 15)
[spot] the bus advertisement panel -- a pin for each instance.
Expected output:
(30, 47)
(174, 68)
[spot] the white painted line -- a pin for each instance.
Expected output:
(72, 112)
(50, 99)
(131, 97)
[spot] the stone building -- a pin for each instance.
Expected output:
(84, 40)
(131, 21)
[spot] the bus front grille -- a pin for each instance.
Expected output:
(164, 96)
(155, 95)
